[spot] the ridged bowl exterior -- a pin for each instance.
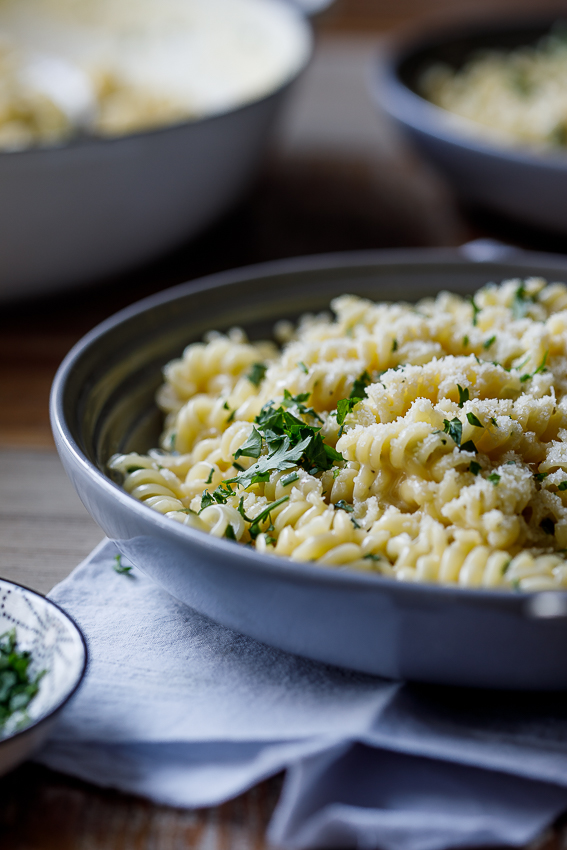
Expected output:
(103, 402)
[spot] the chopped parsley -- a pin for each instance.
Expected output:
(254, 529)
(547, 525)
(489, 342)
(119, 567)
(210, 478)
(540, 476)
(131, 469)
(474, 467)
(256, 373)
(17, 687)
(218, 496)
(395, 345)
(359, 387)
(463, 394)
(371, 557)
(303, 367)
(521, 302)
(289, 479)
(494, 422)
(229, 532)
(251, 448)
(494, 478)
(465, 341)
(454, 429)
(341, 505)
(541, 368)
(286, 441)
(474, 420)
(475, 309)
(562, 486)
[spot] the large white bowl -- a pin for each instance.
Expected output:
(75, 213)
(56, 646)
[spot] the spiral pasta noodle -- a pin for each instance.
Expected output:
(425, 443)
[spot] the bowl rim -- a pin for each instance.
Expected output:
(402, 103)
(90, 142)
(243, 557)
(81, 676)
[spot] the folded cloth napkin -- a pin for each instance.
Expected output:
(183, 711)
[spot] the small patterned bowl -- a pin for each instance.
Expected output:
(58, 648)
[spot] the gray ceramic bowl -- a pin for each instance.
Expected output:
(56, 646)
(75, 213)
(528, 185)
(103, 402)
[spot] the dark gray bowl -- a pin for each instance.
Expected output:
(525, 184)
(103, 402)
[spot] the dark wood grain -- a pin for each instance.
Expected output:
(43, 810)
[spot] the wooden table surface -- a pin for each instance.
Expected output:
(337, 178)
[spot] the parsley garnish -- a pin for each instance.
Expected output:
(371, 557)
(119, 567)
(474, 420)
(17, 688)
(521, 302)
(290, 400)
(494, 422)
(562, 486)
(252, 447)
(254, 529)
(540, 476)
(474, 467)
(454, 429)
(344, 406)
(131, 469)
(489, 342)
(463, 395)
(341, 505)
(210, 478)
(465, 341)
(289, 442)
(359, 387)
(256, 373)
(547, 525)
(218, 496)
(540, 368)
(229, 532)
(395, 345)
(475, 309)
(289, 479)
(494, 478)
(469, 446)
(303, 367)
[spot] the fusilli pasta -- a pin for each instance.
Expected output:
(426, 443)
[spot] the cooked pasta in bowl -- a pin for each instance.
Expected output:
(382, 486)
(426, 442)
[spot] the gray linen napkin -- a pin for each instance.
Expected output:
(188, 713)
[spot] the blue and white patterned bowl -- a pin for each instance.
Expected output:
(57, 647)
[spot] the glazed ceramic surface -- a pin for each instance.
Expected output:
(525, 184)
(103, 402)
(58, 648)
(98, 206)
